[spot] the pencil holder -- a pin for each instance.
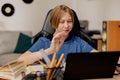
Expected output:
(54, 73)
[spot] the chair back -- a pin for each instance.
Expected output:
(48, 30)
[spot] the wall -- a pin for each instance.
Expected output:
(31, 16)
(91, 10)
(27, 16)
(112, 10)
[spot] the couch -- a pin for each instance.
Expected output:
(13, 44)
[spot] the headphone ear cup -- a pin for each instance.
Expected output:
(28, 1)
(8, 9)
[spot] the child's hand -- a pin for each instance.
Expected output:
(118, 69)
(58, 40)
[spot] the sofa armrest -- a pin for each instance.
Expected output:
(5, 58)
(8, 40)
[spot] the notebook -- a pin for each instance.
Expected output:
(90, 65)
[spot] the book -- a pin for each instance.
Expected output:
(12, 69)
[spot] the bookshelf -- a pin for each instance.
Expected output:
(111, 36)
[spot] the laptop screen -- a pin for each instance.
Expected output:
(91, 65)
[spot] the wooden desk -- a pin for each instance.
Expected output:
(116, 77)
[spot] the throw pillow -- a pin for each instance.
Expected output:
(23, 44)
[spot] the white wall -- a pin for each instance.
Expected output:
(91, 10)
(31, 16)
(27, 16)
(112, 10)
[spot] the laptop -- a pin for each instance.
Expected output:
(90, 65)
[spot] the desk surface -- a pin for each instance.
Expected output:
(116, 77)
(39, 67)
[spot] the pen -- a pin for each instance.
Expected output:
(44, 65)
(60, 59)
(58, 71)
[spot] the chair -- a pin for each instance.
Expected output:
(48, 30)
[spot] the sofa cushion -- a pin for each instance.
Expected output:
(23, 44)
(8, 40)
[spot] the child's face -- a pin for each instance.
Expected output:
(65, 24)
